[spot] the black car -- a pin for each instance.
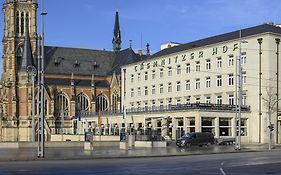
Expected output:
(196, 138)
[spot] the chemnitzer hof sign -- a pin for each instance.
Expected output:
(185, 57)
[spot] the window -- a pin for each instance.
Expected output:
(187, 100)
(244, 76)
(208, 82)
(190, 124)
(208, 125)
(178, 69)
(145, 106)
(244, 99)
(178, 101)
(115, 99)
(145, 90)
(169, 87)
(101, 103)
(188, 68)
(197, 99)
(219, 62)
(132, 92)
(139, 77)
(161, 89)
(82, 102)
(197, 83)
(17, 23)
(153, 89)
(169, 102)
(169, 71)
(225, 127)
(161, 73)
(231, 99)
(230, 79)
(132, 78)
(243, 58)
(219, 99)
(244, 127)
(161, 104)
(187, 85)
(139, 91)
(153, 74)
(178, 86)
(61, 105)
(208, 99)
(145, 76)
(197, 66)
(208, 64)
(153, 104)
(230, 60)
(219, 81)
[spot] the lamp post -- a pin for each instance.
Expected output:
(31, 70)
(260, 93)
(277, 40)
(41, 118)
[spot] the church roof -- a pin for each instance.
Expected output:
(27, 58)
(65, 61)
(264, 28)
(81, 83)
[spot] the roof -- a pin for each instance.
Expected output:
(83, 83)
(220, 38)
(27, 58)
(65, 61)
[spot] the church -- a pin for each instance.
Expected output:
(76, 79)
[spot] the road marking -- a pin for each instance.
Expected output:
(223, 173)
(222, 163)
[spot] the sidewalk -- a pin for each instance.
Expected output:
(115, 152)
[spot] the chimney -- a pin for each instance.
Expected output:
(140, 52)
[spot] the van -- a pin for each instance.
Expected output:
(196, 138)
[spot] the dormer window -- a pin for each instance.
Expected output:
(76, 63)
(95, 65)
(57, 61)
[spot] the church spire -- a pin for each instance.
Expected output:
(27, 57)
(116, 41)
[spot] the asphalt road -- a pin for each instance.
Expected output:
(251, 163)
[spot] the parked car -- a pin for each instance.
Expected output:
(196, 138)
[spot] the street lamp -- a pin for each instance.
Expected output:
(31, 70)
(240, 91)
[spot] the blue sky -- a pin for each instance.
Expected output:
(89, 23)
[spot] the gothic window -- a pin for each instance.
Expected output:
(101, 103)
(27, 19)
(115, 101)
(61, 105)
(22, 23)
(17, 23)
(82, 102)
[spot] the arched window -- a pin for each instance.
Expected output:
(61, 105)
(17, 23)
(101, 103)
(27, 19)
(115, 101)
(82, 102)
(22, 23)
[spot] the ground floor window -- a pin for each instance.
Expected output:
(225, 127)
(208, 124)
(244, 131)
(190, 126)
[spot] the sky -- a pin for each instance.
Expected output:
(89, 23)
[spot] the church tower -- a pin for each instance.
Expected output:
(116, 41)
(19, 49)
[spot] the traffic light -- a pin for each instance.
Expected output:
(271, 127)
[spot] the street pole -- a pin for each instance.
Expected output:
(260, 93)
(41, 129)
(277, 93)
(239, 92)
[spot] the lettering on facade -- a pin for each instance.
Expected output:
(183, 57)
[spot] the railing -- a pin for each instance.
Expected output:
(178, 107)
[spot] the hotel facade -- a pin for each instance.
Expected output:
(192, 87)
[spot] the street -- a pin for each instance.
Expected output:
(228, 163)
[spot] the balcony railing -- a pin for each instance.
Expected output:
(178, 107)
